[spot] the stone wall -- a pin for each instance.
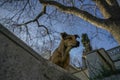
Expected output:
(101, 64)
(114, 53)
(20, 62)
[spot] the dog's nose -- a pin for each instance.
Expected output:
(77, 36)
(78, 43)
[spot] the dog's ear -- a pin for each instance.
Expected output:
(77, 36)
(63, 35)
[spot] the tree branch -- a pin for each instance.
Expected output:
(36, 18)
(75, 11)
(3, 2)
(104, 8)
(42, 26)
(112, 3)
(114, 8)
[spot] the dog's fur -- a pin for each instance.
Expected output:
(61, 55)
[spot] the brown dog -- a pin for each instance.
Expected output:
(61, 55)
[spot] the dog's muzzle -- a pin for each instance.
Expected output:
(77, 44)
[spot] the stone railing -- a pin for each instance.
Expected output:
(114, 53)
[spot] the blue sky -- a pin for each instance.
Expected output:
(73, 25)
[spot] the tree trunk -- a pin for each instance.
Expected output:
(115, 30)
(109, 8)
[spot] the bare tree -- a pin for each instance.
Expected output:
(35, 12)
(110, 10)
(24, 15)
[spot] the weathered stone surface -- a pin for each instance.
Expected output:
(114, 53)
(112, 77)
(99, 63)
(20, 62)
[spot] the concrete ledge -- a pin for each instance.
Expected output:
(20, 62)
(19, 42)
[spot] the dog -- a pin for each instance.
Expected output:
(61, 56)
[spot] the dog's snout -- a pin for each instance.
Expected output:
(78, 43)
(77, 36)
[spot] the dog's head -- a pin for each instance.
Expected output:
(70, 40)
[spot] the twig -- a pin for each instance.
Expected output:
(36, 18)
